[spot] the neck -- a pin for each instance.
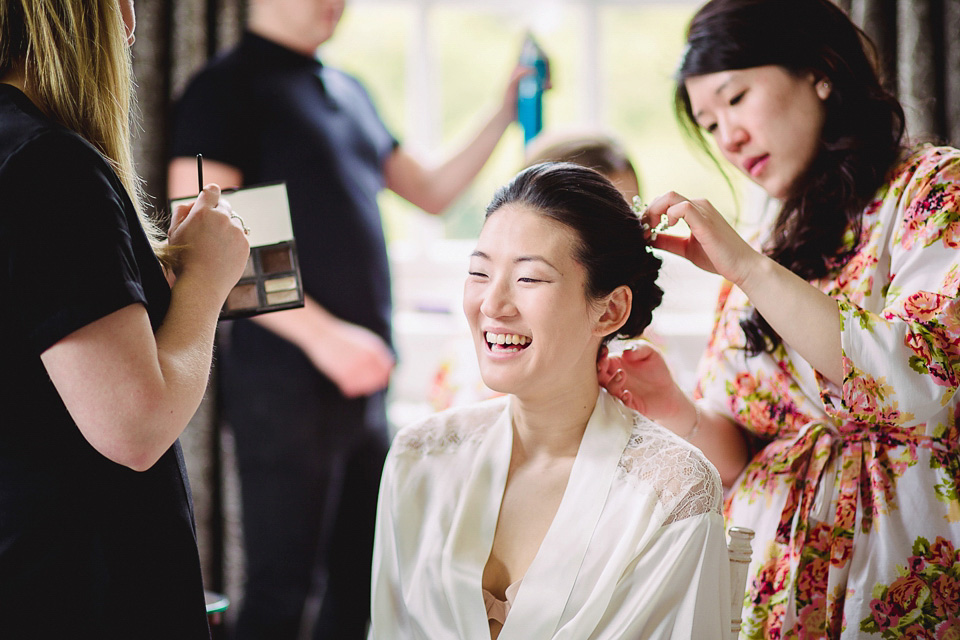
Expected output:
(13, 77)
(263, 24)
(552, 427)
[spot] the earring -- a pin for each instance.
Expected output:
(823, 89)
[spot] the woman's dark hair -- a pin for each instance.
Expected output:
(611, 245)
(861, 138)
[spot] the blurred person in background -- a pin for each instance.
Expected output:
(304, 390)
(598, 151)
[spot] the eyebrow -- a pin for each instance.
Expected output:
(722, 86)
(518, 259)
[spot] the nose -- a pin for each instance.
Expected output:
(732, 136)
(498, 300)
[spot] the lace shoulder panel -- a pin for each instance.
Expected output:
(448, 430)
(686, 483)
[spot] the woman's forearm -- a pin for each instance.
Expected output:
(807, 319)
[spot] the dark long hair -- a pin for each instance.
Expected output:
(860, 141)
(611, 245)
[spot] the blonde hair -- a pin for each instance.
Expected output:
(74, 60)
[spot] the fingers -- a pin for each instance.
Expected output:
(607, 369)
(179, 215)
(368, 379)
(521, 71)
(666, 211)
(615, 382)
(669, 208)
(627, 398)
(513, 85)
(209, 197)
(676, 245)
(638, 352)
(210, 240)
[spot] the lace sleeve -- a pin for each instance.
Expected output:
(686, 483)
(449, 430)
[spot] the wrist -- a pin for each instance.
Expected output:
(760, 270)
(193, 286)
(685, 418)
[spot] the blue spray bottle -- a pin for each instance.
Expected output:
(530, 89)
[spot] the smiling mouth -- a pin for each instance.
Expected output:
(506, 342)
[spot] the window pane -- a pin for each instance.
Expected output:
(640, 50)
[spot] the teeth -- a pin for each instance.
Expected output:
(506, 338)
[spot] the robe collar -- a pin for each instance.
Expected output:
(550, 579)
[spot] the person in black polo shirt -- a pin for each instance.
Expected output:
(303, 390)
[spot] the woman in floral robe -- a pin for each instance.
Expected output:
(830, 409)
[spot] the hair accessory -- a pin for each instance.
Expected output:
(696, 424)
(639, 208)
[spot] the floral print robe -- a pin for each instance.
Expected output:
(854, 493)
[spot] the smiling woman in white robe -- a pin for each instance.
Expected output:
(554, 512)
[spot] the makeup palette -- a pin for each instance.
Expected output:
(271, 279)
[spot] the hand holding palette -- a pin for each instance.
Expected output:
(271, 280)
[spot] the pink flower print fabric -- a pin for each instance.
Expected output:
(853, 492)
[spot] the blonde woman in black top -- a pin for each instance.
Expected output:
(103, 361)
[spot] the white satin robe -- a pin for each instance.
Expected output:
(636, 550)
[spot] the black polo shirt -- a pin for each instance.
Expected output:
(276, 114)
(88, 548)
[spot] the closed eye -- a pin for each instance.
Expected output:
(477, 274)
(737, 98)
(530, 280)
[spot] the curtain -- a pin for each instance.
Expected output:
(918, 45)
(175, 38)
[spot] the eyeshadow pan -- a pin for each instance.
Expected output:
(281, 297)
(243, 296)
(276, 259)
(280, 284)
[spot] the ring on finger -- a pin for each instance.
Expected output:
(243, 225)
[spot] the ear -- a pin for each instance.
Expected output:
(822, 85)
(614, 310)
